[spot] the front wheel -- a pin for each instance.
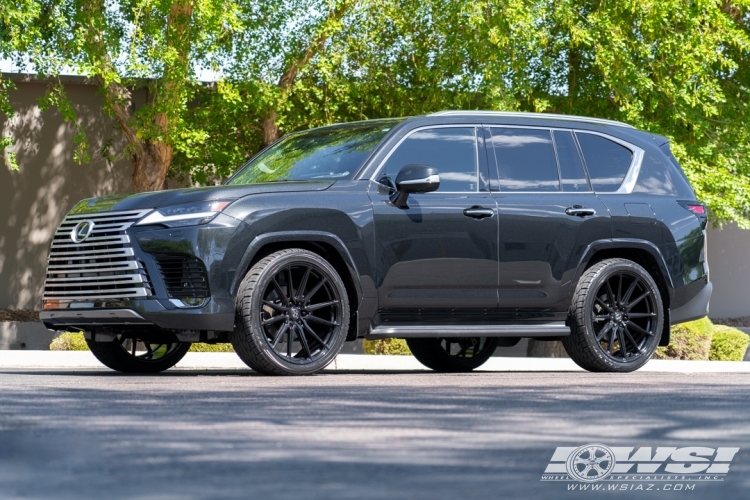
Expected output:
(292, 314)
(453, 355)
(131, 355)
(617, 317)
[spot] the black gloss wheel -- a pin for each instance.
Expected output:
(292, 314)
(624, 317)
(301, 313)
(617, 317)
(453, 354)
(133, 355)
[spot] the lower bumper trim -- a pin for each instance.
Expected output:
(79, 317)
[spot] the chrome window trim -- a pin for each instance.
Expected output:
(376, 173)
(628, 183)
(631, 177)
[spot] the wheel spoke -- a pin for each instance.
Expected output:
(630, 291)
(273, 305)
(279, 291)
(604, 305)
(274, 319)
(619, 290)
(149, 352)
(626, 330)
(315, 335)
(639, 329)
(621, 339)
(612, 340)
(289, 283)
(610, 294)
(133, 343)
(315, 307)
(604, 331)
(321, 320)
(636, 301)
(289, 343)
(281, 332)
(303, 340)
(641, 315)
(303, 284)
(314, 290)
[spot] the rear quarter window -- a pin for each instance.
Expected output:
(607, 161)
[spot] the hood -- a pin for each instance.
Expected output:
(156, 199)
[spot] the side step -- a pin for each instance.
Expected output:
(551, 329)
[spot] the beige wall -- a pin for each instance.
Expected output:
(729, 270)
(34, 200)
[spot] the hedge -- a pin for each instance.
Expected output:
(728, 344)
(386, 346)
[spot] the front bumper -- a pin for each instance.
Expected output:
(218, 245)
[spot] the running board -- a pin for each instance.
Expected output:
(551, 329)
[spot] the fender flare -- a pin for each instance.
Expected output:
(307, 236)
(625, 244)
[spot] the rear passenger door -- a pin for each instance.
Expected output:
(547, 215)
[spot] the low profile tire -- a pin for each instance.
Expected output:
(616, 317)
(454, 355)
(292, 314)
(137, 356)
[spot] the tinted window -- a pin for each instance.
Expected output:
(525, 159)
(606, 161)
(571, 168)
(453, 151)
(324, 153)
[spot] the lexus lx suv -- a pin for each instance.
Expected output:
(457, 231)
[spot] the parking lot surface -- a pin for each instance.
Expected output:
(92, 433)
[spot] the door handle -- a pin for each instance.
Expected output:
(478, 212)
(579, 211)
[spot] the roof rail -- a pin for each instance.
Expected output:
(543, 116)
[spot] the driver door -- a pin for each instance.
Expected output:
(437, 254)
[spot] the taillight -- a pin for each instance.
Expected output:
(698, 209)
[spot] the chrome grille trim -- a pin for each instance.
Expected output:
(103, 266)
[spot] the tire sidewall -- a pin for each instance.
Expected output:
(252, 321)
(603, 274)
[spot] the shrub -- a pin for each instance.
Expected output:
(386, 346)
(690, 340)
(69, 342)
(728, 344)
(201, 347)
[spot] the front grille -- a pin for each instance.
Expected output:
(183, 276)
(103, 266)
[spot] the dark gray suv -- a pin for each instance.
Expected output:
(458, 231)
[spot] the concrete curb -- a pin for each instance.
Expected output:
(15, 360)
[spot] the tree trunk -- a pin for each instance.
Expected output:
(270, 129)
(150, 166)
(546, 349)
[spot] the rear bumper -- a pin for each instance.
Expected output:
(695, 308)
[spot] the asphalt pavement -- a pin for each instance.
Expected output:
(184, 434)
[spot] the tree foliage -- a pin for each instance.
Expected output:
(678, 68)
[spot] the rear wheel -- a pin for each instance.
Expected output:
(453, 355)
(617, 317)
(130, 355)
(292, 314)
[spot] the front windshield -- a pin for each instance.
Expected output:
(327, 153)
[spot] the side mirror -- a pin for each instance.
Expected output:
(414, 179)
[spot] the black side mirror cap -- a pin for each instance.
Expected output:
(414, 179)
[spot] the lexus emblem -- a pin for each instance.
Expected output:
(82, 231)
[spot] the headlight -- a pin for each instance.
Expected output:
(189, 214)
